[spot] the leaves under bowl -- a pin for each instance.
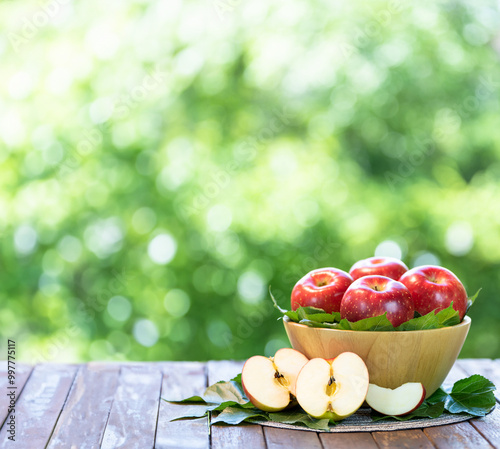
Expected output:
(225, 402)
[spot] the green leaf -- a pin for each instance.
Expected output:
(230, 392)
(224, 405)
(473, 395)
(438, 396)
(470, 301)
(190, 399)
(307, 314)
(195, 411)
(426, 410)
(294, 316)
(377, 323)
(234, 415)
(448, 316)
(432, 320)
(237, 379)
(318, 315)
(225, 391)
(299, 416)
(318, 324)
(428, 321)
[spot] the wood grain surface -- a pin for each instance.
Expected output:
(121, 405)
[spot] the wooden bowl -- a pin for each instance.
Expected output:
(392, 358)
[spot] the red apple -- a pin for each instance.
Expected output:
(434, 288)
(322, 288)
(374, 295)
(383, 266)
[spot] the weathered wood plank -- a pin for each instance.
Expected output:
(283, 438)
(232, 436)
(489, 426)
(461, 435)
(361, 440)
(84, 416)
(487, 368)
(456, 436)
(402, 438)
(39, 406)
(181, 380)
(456, 373)
(23, 371)
(132, 419)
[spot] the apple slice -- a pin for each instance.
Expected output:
(397, 402)
(270, 382)
(333, 388)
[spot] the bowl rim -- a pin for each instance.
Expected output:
(465, 322)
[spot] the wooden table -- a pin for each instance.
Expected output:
(109, 405)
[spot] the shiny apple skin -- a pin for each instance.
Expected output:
(371, 296)
(322, 288)
(381, 266)
(434, 288)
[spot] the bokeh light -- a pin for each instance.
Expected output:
(162, 164)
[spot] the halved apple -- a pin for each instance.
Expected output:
(333, 388)
(270, 382)
(397, 402)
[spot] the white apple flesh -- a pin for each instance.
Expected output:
(333, 389)
(400, 401)
(270, 382)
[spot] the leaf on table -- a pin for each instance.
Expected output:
(224, 405)
(438, 396)
(470, 301)
(298, 416)
(234, 415)
(195, 411)
(190, 399)
(473, 395)
(237, 379)
(225, 391)
(426, 410)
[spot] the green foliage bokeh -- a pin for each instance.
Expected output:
(163, 163)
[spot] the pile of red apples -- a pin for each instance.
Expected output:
(336, 388)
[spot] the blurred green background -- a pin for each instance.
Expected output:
(163, 162)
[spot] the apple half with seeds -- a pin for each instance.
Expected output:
(270, 383)
(333, 388)
(398, 402)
